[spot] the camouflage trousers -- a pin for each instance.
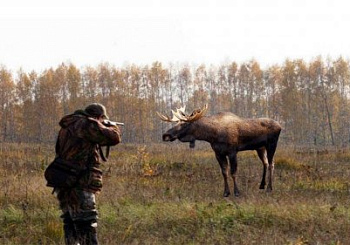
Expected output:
(79, 204)
(79, 216)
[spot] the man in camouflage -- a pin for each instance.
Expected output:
(81, 135)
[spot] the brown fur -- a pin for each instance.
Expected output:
(229, 134)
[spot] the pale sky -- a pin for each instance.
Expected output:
(39, 34)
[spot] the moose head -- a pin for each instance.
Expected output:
(185, 128)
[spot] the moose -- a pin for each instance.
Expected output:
(227, 134)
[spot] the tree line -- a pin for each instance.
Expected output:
(310, 99)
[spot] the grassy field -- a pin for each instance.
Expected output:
(170, 194)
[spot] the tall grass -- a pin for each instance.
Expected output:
(170, 194)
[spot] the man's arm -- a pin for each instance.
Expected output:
(102, 135)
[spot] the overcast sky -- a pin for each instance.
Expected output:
(39, 34)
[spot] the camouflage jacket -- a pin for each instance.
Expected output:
(78, 141)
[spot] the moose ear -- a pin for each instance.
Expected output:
(192, 144)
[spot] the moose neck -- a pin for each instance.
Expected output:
(203, 129)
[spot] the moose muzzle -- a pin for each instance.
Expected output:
(168, 137)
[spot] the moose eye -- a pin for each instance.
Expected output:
(184, 125)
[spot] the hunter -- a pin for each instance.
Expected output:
(79, 143)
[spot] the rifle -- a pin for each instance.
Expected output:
(111, 123)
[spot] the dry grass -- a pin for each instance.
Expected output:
(169, 194)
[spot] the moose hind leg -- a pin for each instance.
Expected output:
(263, 157)
(224, 170)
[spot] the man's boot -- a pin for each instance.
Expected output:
(70, 235)
(86, 232)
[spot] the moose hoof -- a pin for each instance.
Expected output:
(226, 194)
(262, 187)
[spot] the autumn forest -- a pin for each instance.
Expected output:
(310, 99)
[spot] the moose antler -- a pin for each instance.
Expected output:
(166, 118)
(180, 115)
(196, 114)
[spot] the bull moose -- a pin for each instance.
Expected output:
(227, 134)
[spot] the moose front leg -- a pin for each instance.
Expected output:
(224, 170)
(263, 157)
(233, 166)
(271, 148)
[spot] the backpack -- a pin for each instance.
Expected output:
(63, 174)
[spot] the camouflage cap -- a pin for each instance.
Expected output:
(96, 110)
